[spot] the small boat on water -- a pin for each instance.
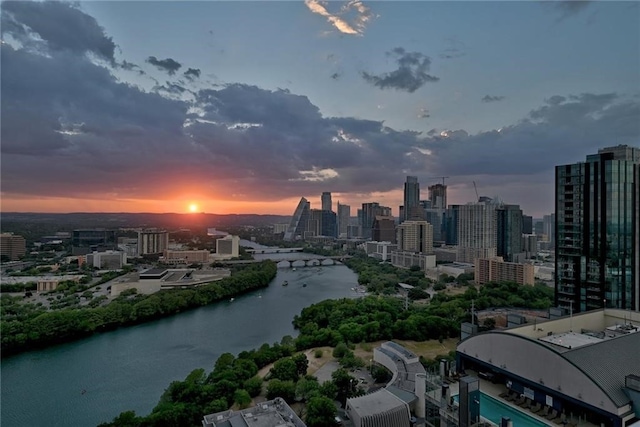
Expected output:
(293, 269)
(285, 283)
(231, 299)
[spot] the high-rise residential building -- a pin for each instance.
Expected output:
(497, 270)
(369, 212)
(451, 224)
(527, 224)
(549, 227)
(321, 223)
(597, 231)
(344, 216)
(411, 197)
(477, 237)
(415, 236)
(298, 224)
(326, 201)
(329, 224)
(384, 229)
(438, 196)
(91, 240)
(152, 242)
(12, 246)
(509, 232)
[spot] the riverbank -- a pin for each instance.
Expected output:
(23, 331)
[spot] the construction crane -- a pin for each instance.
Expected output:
(476, 188)
(439, 177)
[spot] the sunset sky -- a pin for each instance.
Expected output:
(244, 107)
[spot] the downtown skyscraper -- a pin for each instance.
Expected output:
(597, 231)
(411, 206)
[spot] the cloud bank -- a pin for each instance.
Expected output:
(359, 13)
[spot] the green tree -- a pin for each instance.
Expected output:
(320, 412)
(283, 389)
(253, 386)
(285, 370)
(242, 398)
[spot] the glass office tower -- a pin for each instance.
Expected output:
(597, 231)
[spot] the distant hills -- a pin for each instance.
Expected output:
(69, 221)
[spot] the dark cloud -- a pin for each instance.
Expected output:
(61, 26)
(492, 98)
(169, 65)
(72, 129)
(192, 73)
(411, 75)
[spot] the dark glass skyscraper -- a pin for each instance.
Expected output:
(411, 196)
(597, 231)
(509, 231)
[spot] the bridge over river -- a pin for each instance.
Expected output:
(306, 262)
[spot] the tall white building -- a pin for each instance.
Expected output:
(229, 246)
(477, 234)
(111, 260)
(152, 242)
(415, 236)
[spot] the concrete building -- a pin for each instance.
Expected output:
(583, 367)
(86, 241)
(172, 256)
(451, 269)
(156, 279)
(529, 245)
(549, 227)
(50, 283)
(446, 253)
(415, 236)
(409, 259)
(497, 270)
(380, 250)
(108, 260)
(477, 237)
(272, 413)
(228, 246)
(438, 196)
(597, 231)
(344, 217)
(384, 229)
(152, 242)
(450, 225)
(392, 405)
(12, 246)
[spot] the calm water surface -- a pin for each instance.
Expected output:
(129, 369)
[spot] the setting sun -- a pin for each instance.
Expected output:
(193, 207)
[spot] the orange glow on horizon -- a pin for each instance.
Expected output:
(193, 208)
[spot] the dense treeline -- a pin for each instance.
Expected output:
(24, 327)
(382, 277)
(381, 318)
(234, 380)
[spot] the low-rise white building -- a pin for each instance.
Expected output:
(380, 250)
(108, 260)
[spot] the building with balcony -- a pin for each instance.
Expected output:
(496, 270)
(12, 246)
(597, 231)
(228, 247)
(152, 242)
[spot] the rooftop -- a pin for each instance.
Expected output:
(273, 413)
(379, 401)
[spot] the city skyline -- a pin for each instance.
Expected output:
(244, 107)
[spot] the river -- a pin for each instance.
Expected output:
(91, 381)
